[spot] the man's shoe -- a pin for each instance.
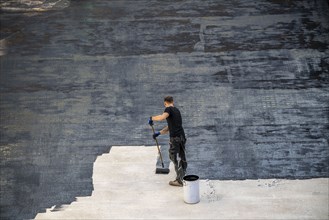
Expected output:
(175, 183)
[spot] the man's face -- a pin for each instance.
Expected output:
(166, 104)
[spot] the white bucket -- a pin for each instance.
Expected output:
(191, 189)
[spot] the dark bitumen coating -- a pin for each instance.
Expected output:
(250, 78)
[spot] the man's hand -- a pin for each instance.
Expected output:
(151, 122)
(156, 134)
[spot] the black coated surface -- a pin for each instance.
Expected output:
(250, 78)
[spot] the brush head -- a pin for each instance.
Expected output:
(159, 170)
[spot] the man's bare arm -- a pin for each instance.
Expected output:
(165, 130)
(160, 117)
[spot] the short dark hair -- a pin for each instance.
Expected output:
(169, 99)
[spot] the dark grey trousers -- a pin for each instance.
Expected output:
(177, 156)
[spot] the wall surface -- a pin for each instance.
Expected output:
(250, 78)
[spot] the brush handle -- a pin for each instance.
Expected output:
(156, 141)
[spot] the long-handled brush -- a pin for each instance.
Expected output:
(160, 170)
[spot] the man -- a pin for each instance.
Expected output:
(177, 138)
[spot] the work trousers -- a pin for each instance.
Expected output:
(177, 156)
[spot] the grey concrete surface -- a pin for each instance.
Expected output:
(250, 77)
(126, 188)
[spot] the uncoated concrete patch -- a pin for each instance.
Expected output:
(126, 187)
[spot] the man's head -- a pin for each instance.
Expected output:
(168, 101)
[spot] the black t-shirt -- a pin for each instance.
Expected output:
(174, 121)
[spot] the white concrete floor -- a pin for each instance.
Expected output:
(126, 187)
